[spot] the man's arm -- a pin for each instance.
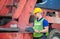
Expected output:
(45, 30)
(46, 27)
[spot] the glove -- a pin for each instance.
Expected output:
(29, 29)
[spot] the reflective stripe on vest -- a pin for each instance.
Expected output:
(38, 25)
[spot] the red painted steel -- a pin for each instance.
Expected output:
(11, 35)
(8, 25)
(24, 17)
(3, 6)
(57, 26)
(14, 35)
(19, 9)
(25, 14)
(3, 9)
(48, 17)
(23, 11)
(52, 19)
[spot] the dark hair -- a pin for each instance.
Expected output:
(31, 19)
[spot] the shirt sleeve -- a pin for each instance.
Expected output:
(45, 23)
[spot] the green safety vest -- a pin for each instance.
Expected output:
(38, 25)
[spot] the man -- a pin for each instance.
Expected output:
(40, 25)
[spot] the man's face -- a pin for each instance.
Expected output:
(37, 15)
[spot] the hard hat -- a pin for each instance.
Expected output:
(36, 10)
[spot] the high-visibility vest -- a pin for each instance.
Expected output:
(38, 25)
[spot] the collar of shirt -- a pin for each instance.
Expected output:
(39, 19)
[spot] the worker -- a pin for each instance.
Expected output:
(40, 25)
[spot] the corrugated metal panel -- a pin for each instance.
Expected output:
(3, 9)
(25, 14)
(24, 17)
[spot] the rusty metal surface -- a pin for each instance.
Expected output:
(54, 19)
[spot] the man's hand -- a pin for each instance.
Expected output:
(36, 31)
